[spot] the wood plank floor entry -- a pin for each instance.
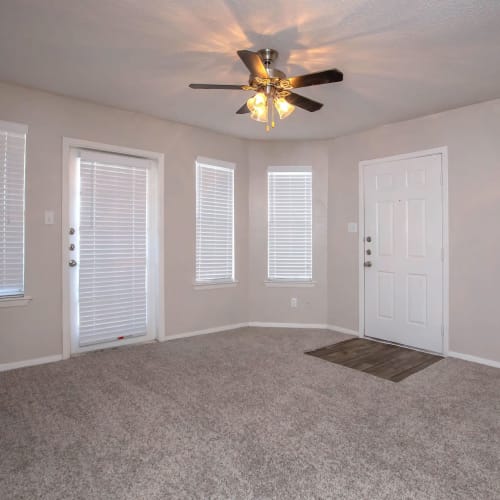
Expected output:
(387, 361)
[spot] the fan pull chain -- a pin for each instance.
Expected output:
(268, 114)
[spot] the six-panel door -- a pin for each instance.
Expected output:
(404, 221)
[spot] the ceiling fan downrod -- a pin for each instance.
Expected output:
(268, 56)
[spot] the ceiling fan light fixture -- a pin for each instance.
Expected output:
(283, 107)
(274, 91)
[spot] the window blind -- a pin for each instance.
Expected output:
(214, 223)
(113, 247)
(12, 173)
(290, 225)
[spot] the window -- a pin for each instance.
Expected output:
(289, 224)
(12, 166)
(112, 247)
(214, 222)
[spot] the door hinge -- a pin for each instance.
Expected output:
(442, 330)
(441, 178)
(442, 254)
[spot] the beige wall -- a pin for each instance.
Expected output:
(472, 135)
(36, 330)
(272, 304)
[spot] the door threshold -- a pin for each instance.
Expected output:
(427, 351)
(113, 348)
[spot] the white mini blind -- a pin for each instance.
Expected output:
(113, 247)
(290, 225)
(214, 223)
(12, 173)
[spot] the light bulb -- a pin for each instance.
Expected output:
(258, 100)
(258, 107)
(283, 107)
(259, 114)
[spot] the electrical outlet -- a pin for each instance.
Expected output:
(293, 302)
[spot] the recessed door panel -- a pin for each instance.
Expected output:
(417, 299)
(415, 178)
(385, 227)
(383, 182)
(415, 228)
(385, 295)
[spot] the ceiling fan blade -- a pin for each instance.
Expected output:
(303, 102)
(244, 109)
(319, 78)
(216, 86)
(253, 62)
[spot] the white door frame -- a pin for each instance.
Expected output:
(159, 158)
(443, 151)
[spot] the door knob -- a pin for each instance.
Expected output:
(72, 263)
(368, 239)
(368, 264)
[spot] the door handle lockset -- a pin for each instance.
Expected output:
(368, 264)
(72, 263)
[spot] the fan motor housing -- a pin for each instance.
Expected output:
(268, 57)
(275, 73)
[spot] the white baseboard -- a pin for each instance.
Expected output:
(474, 359)
(341, 329)
(317, 326)
(215, 329)
(264, 324)
(30, 362)
(59, 357)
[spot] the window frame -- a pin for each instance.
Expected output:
(222, 282)
(291, 282)
(18, 299)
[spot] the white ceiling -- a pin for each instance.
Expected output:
(400, 58)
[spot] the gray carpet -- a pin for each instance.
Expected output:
(245, 414)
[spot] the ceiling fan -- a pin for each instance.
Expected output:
(273, 89)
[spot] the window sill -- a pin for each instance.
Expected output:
(290, 284)
(211, 286)
(15, 301)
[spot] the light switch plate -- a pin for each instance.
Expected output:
(49, 217)
(352, 227)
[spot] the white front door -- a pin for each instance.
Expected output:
(403, 251)
(111, 250)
